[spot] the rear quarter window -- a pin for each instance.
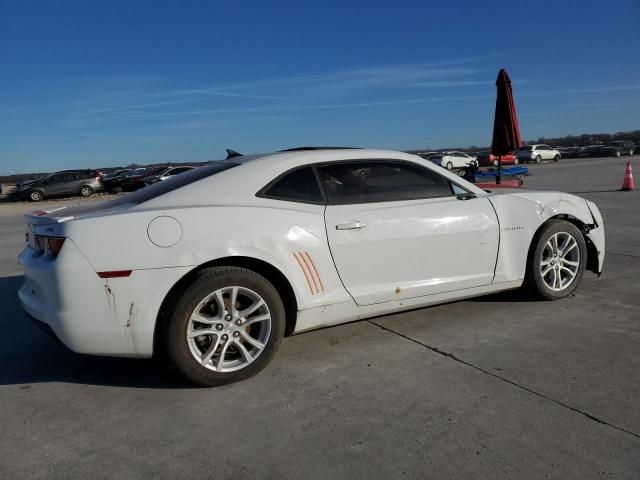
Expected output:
(299, 185)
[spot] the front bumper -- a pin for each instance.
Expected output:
(114, 317)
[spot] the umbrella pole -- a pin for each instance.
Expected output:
(498, 179)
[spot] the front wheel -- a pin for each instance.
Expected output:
(630, 153)
(557, 261)
(556, 158)
(225, 327)
(516, 161)
(538, 158)
(36, 196)
(449, 165)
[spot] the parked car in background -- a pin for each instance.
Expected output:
(450, 160)
(569, 152)
(114, 182)
(537, 153)
(67, 182)
(428, 155)
(133, 180)
(116, 173)
(616, 148)
(487, 159)
(167, 173)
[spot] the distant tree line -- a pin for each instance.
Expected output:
(588, 139)
(566, 141)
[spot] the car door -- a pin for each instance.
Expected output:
(53, 185)
(72, 182)
(398, 230)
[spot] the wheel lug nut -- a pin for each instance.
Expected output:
(224, 338)
(219, 326)
(227, 317)
(236, 334)
(238, 322)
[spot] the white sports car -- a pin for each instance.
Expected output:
(218, 264)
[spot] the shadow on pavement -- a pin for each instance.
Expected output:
(28, 355)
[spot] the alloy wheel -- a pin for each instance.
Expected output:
(229, 329)
(560, 261)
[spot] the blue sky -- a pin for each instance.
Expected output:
(95, 83)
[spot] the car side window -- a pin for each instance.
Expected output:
(299, 185)
(368, 182)
(52, 179)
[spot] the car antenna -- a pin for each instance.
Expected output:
(232, 153)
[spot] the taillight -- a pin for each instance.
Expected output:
(51, 245)
(55, 244)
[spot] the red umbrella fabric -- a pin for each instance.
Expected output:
(506, 131)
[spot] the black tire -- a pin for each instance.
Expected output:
(538, 158)
(516, 161)
(86, 191)
(36, 196)
(449, 165)
(556, 158)
(630, 153)
(618, 153)
(206, 282)
(534, 283)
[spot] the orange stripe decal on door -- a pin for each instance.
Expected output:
(306, 276)
(315, 270)
(313, 278)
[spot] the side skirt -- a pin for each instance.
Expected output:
(327, 315)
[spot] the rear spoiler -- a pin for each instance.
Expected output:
(43, 216)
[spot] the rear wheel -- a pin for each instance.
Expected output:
(449, 165)
(630, 152)
(618, 153)
(556, 158)
(557, 262)
(36, 196)
(86, 191)
(516, 161)
(225, 327)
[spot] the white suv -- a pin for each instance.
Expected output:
(451, 160)
(537, 153)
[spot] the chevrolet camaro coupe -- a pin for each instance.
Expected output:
(216, 265)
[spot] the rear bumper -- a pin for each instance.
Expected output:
(114, 317)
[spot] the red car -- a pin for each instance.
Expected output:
(486, 159)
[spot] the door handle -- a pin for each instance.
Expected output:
(352, 225)
(465, 196)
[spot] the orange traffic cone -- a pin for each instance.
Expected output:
(627, 183)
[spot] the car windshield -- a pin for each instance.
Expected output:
(160, 188)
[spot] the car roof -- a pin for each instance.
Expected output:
(238, 185)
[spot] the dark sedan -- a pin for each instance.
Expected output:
(616, 148)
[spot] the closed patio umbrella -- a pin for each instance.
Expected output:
(506, 132)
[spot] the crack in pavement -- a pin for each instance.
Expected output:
(506, 380)
(623, 255)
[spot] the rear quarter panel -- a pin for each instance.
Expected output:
(289, 236)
